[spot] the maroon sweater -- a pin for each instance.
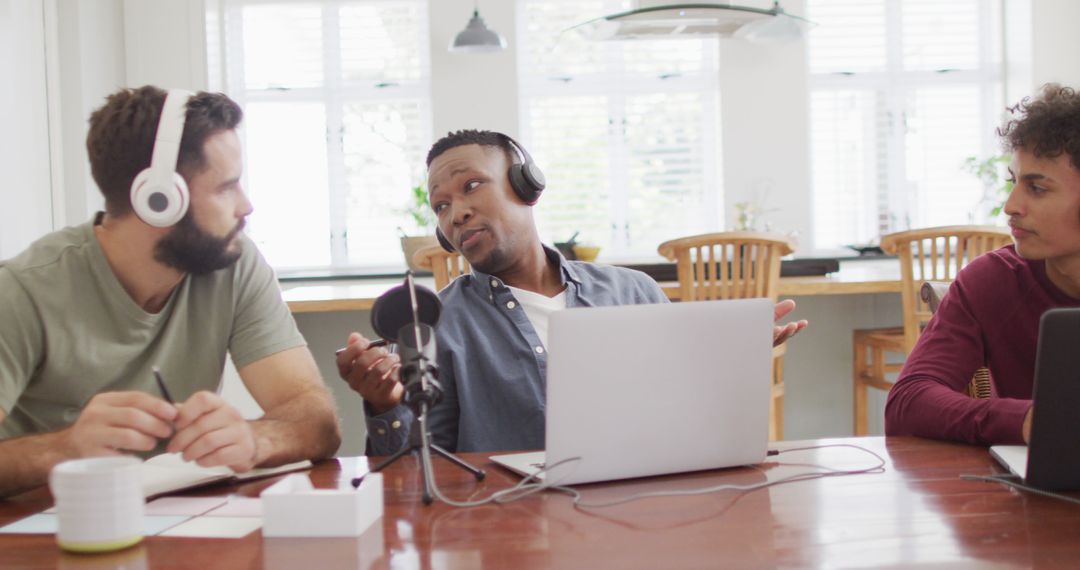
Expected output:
(990, 317)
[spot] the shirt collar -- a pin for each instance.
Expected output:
(487, 284)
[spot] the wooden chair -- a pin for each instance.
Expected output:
(930, 254)
(444, 265)
(931, 293)
(735, 265)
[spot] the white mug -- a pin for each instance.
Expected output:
(99, 502)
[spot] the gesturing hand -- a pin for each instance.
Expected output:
(211, 432)
(783, 332)
(372, 372)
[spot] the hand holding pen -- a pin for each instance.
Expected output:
(210, 431)
(372, 371)
(112, 423)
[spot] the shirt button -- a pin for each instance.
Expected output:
(494, 283)
(382, 431)
(511, 305)
(539, 350)
(396, 424)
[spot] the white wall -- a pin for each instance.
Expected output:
(1056, 42)
(165, 43)
(766, 143)
(1041, 45)
(26, 207)
(473, 91)
(90, 57)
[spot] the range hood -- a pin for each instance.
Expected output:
(654, 20)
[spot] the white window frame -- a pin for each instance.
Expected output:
(533, 87)
(333, 95)
(892, 208)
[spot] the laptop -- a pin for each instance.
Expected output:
(641, 390)
(1051, 461)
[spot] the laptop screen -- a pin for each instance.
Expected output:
(1053, 461)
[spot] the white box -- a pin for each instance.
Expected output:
(293, 507)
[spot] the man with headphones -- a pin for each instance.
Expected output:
(163, 283)
(492, 334)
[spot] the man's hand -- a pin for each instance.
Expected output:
(210, 432)
(783, 332)
(371, 372)
(1026, 430)
(115, 422)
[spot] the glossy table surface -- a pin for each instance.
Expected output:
(916, 513)
(854, 277)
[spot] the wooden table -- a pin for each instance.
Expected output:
(917, 513)
(854, 277)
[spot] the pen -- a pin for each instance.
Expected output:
(375, 343)
(161, 386)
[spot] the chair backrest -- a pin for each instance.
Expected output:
(935, 254)
(444, 265)
(727, 265)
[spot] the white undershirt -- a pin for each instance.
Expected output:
(539, 308)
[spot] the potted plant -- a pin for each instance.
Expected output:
(422, 220)
(991, 171)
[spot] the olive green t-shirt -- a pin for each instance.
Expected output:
(69, 330)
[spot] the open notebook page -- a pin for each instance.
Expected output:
(169, 472)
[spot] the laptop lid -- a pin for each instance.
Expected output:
(645, 390)
(1053, 461)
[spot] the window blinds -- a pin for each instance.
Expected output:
(902, 91)
(627, 132)
(337, 95)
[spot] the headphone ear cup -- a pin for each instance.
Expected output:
(445, 243)
(522, 185)
(159, 203)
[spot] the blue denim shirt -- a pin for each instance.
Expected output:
(492, 365)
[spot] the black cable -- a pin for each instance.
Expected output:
(1010, 481)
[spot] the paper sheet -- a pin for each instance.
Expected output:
(43, 523)
(190, 506)
(33, 524)
(216, 527)
(238, 507)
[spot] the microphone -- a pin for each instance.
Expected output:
(406, 315)
(394, 309)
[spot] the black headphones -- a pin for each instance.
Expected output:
(526, 179)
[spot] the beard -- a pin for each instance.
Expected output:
(193, 250)
(493, 264)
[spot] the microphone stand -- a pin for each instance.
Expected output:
(420, 373)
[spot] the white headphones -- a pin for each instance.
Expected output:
(159, 194)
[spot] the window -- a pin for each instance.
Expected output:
(338, 118)
(627, 132)
(901, 92)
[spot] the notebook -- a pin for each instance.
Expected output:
(169, 473)
(641, 390)
(1051, 462)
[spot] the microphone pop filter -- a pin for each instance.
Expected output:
(393, 310)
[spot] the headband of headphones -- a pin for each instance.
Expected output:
(159, 195)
